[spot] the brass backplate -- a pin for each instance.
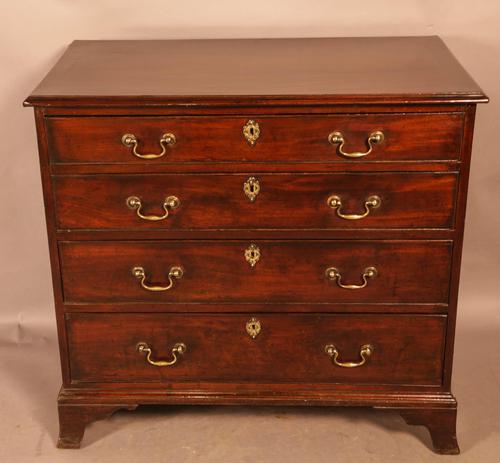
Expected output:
(253, 327)
(251, 132)
(252, 255)
(251, 188)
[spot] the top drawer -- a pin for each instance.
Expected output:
(297, 139)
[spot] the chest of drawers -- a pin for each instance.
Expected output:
(256, 222)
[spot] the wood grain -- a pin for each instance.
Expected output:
(299, 90)
(287, 138)
(288, 271)
(287, 201)
(194, 72)
(289, 348)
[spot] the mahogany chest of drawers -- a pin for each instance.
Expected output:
(256, 222)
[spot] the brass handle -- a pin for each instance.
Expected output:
(175, 272)
(130, 140)
(335, 202)
(364, 353)
(171, 202)
(333, 274)
(336, 138)
(179, 348)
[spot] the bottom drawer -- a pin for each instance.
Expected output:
(363, 349)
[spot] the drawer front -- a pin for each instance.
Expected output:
(260, 201)
(288, 348)
(298, 139)
(263, 271)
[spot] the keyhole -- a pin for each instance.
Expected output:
(252, 188)
(251, 131)
(252, 255)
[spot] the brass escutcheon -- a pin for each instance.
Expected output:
(252, 255)
(251, 132)
(251, 187)
(253, 327)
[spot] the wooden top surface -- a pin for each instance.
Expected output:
(320, 71)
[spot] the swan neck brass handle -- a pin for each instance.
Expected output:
(333, 274)
(335, 202)
(174, 273)
(365, 352)
(171, 202)
(336, 138)
(130, 141)
(178, 349)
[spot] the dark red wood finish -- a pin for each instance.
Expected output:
(286, 138)
(263, 72)
(419, 96)
(288, 271)
(284, 201)
(289, 348)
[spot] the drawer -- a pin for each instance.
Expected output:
(260, 201)
(297, 139)
(288, 348)
(262, 271)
